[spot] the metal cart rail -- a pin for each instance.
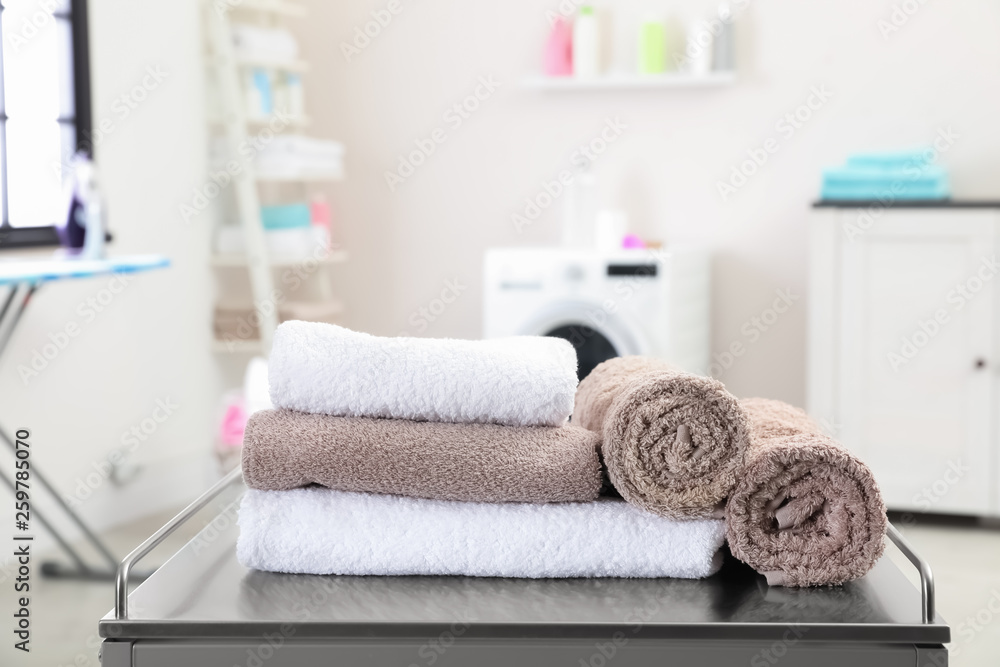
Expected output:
(203, 608)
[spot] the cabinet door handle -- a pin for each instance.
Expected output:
(980, 364)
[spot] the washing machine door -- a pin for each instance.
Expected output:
(596, 335)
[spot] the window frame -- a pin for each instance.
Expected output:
(12, 238)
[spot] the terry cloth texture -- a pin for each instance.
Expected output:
(672, 441)
(322, 531)
(520, 381)
(805, 512)
(283, 449)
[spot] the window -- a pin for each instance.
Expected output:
(44, 113)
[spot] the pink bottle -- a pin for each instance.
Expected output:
(559, 49)
(321, 218)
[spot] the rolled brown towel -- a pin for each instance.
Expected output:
(283, 449)
(672, 441)
(805, 512)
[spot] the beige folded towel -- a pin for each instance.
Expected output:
(805, 511)
(283, 449)
(673, 441)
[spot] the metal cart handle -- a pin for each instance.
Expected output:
(926, 576)
(141, 551)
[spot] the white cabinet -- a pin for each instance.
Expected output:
(904, 349)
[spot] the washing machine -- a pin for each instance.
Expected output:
(652, 302)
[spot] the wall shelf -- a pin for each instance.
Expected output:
(294, 121)
(277, 65)
(300, 176)
(631, 81)
(280, 7)
(297, 122)
(251, 346)
(237, 261)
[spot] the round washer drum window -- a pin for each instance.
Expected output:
(592, 347)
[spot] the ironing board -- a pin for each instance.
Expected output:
(22, 279)
(203, 608)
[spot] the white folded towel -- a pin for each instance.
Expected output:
(521, 381)
(321, 531)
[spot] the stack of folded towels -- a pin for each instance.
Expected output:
(444, 457)
(898, 175)
(395, 456)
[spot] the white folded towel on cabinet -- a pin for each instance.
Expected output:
(321, 531)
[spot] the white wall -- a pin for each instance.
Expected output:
(887, 93)
(151, 342)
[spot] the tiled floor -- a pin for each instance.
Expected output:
(966, 563)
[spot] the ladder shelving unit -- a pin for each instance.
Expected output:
(232, 121)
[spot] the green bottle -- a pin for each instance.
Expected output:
(652, 47)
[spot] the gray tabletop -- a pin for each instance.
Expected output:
(203, 592)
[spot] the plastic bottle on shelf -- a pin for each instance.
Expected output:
(722, 47)
(294, 96)
(259, 93)
(699, 47)
(279, 94)
(579, 211)
(586, 44)
(322, 220)
(559, 49)
(652, 46)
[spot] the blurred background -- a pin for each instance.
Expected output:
(800, 199)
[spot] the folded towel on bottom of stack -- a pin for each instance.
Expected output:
(321, 531)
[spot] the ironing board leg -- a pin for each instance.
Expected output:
(9, 319)
(36, 514)
(6, 333)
